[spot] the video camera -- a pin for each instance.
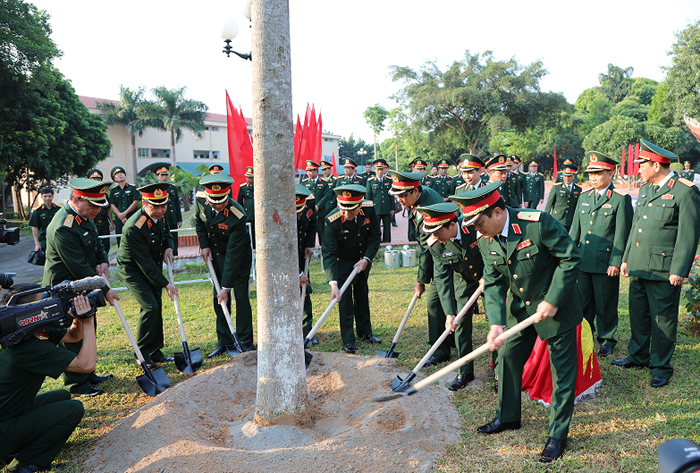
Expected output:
(679, 456)
(6, 281)
(9, 236)
(18, 322)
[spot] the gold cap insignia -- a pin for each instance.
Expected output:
(594, 158)
(347, 194)
(501, 159)
(425, 215)
(216, 187)
(104, 189)
(396, 179)
(157, 193)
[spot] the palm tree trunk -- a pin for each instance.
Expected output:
(173, 161)
(134, 162)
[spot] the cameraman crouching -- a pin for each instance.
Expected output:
(34, 427)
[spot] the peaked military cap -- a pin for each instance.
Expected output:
(95, 174)
(156, 194)
(687, 162)
(443, 163)
(349, 162)
(302, 194)
(469, 161)
(90, 190)
(420, 163)
(509, 160)
(217, 187)
(533, 163)
(597, 161)
(248, 171)
(569, 169)
(115, 170)
(436, 215)
(497, 162)
(402, 182)
(326, 165)
(311, 166)
(350, 196)
(568, 162)
(380, 163)
(514, 158)
(475, 202)
(216, 169)
(163, 170)
(650, 152)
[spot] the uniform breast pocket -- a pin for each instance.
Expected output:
(666, 210)
(526, 259)
(607, 219)
(660, 258)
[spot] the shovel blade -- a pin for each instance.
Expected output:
(233, 350)
(153, 382)
(401, 385)
(307, 359)
(189, 364)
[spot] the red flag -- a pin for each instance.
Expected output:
(636, 156)
(231, 132)
(240, 149)
(298, 161)
(622, 162)
(555, 162)
(630, 165)
(335, 173)
(311, 133)
(318, 154)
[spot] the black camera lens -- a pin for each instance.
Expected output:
(95, 298)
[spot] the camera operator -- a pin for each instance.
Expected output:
(34, 427)
(73, 252)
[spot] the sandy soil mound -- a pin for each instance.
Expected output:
(206, 424)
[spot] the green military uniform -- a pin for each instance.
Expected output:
(442, 184)
(560, 177)
(306, 234)
(34, 427)
(384, 203)
(534, 190)
(688, 173)
(345, 180)
(345, 242)
(537, 262)
(104, 218)
(600, 229)
(457, 181)
(226, 235)
(321, 191)
(513, 191)
(40, 218)
(663, 242)
(173, 215)
(458, 267)
(73, 252)
(367, 174)
(140, 266)
(122, 198)
(330, 202)
(246, 197)
(561, 203)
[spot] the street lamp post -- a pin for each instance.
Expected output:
(230, 30)
(362, 154)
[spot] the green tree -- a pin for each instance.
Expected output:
(348, 148)
(375, 117)
(660, 109)
(173, 113)
(631, 106)
(461, 107)
(127, 113)
(682, 74)
(644, 89)
(617, 83)
(183, 181)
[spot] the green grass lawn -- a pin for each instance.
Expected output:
(618, 430)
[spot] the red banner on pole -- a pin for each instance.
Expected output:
(622, 162)
(555, 163)
(240, 148)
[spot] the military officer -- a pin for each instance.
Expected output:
(421, 165)
(223, 238)
(123, 199)
(350, 240)
(512, 188)
(306, 232)
(330, 205)
(41, 217)
(601, 226)
(458, 269)
(327, 170)
(350, 176)
(378, 188)
(688, 173)
(534, 190)
(73, 252)
(522, 180)
(407, 189)
(658, 256)
(560, 174)
(530, 268)
(471, 174)
(216, 169)
(146, 245)
(103, 222)
(497, 168)
(321, 191)
(563, 197)
(368, 172)
(246, 197)
(173, 217)
(458, 179)
(442, 183)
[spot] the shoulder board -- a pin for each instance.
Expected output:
(201, 194)
(142, 219)
(617, 191)
(531, 216)
(432, 240)
(590, 193)
(685, 181)
(305, 180)
(367, 203)
(311, 197)
(459, 187)
(540, 174)
(236, 212)
(68, 222)
(244, 184)
(558, 183)
(334, 216)
(373, 178)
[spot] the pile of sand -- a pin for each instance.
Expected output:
(206, 424)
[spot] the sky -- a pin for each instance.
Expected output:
(342, 51)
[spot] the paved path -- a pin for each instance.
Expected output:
(13, 259)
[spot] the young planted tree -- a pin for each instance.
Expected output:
(375, 117)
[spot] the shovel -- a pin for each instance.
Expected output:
(461, 362)
(187, 362)
(391, 353)
(234, 349)
(307, 341)
(398, 384)
(152, 382)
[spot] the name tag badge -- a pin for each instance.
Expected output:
(447, 254)
(493, 253)
(85, 234)
(345, 231)
(583, 204)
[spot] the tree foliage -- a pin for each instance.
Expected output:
(349, 148)
(617, 83)
(375, 116)
(683, 75)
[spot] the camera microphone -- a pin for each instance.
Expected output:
(80, 285)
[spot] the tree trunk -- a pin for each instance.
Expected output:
(173, 161)
(282, 393)
(134, 162)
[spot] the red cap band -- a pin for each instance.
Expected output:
(350, 200)
(89, 195)
(439, 219)
(488, 202)
(653, 157)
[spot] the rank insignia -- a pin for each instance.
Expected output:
(516, 229)
(607, 206)
(149, 223)
(608, 194)
(223, 226)
(225, 212)
(523, 244)
(68, 222)
(667, 196)
(671, 183)
(142, 219)
(309, 213)
(237, 212)
(432, 240)
(473, 244)
(77, 219)
(366, 222)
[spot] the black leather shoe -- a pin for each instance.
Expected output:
(625, 363)
(349, 348)
(92, 392)
(432, 361)
(605, 351)
(30, 469)
(658, 381)
(247, 345)
(460, 381)
(394, 224)
(314, 341)
(219, 350)
(496, 426)
(553, 449)
(164, 359)
(371, 339)
(97, 379)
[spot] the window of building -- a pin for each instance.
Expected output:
(144, 152)
(160, 153)
(206, 154)
(212, 128)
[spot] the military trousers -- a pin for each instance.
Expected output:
(601, 294)
(320, 225)
(103, 229)
(308, 321)
(149, 334)
(118, 226)
(463, 332)
(243, 313)
(354, 304)
(174, 234)
(385, 221)
(563, 362)
(40, 433)
(436, 324)
(654, 321)
(532, 204)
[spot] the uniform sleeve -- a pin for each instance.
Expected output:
(330, 250)
(68, 245)
(138, 244)
(34, 219)
(310, 240)
(560, 246)
(241, 196)
(200, 226)
(575, 232)
(42, 357)
(178, 210)
(688, 233)
(375, 236)
(238, 254)
(425, 259)
(322, 201)
(551, 200)
(541, 188)
(623, 225)
(444, 281)
(495, 289)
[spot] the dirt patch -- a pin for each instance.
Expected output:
(206, 424)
